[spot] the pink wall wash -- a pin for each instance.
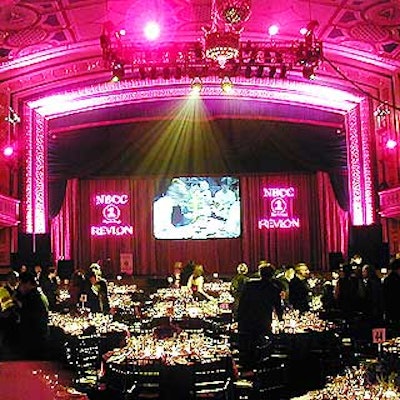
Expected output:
(362, 205)
(311, 95)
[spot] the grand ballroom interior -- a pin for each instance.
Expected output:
(140, 138)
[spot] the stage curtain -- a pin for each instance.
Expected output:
(280, 246)
(334, 221)
(323, 228)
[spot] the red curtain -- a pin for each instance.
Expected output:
(323, 227)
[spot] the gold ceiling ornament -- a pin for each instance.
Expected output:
(233, 12)
(222, 40)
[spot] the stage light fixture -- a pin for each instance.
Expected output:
(118, 71)
(178, 73)
(152, 30)
(247, 72)
(391, 144)
(142, 73)
(308, 72)
(153, 73)
(273, 30)
(272, 71)
(166, 73)
(218, 52)
(8, 151)
(283, 72)
(196, 85)
(226, 85)
(260, 72)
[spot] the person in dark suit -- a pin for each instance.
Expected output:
(299, 290)
(391, 295)
(260, 297)
(49, 286)
(33, 323)
(97, 293)
(238, 283)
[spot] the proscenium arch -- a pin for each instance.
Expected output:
(39, 112)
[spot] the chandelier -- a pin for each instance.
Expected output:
(222, 40)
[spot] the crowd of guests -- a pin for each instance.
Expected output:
(354, 291)
(29, 295)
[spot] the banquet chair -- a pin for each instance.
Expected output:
(87, 360)
(144, 382)
(271, 377)
(212, 381)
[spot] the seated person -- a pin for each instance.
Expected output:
(196, 283)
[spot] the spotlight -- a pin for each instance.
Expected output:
(226, 85)
(260, 72)
(196, 85)
(282, 75)
(308, 72)
(391, 144)
(13, 118)
(273, 30)
(247, 72)
(118, 71)
(152, 30)
(303, 31)
(272, 71)
(8, 151)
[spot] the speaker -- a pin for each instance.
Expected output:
(65, 269)
(34, 249)
(335, 259)
(367, 241)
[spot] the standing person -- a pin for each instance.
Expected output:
(9, 312)
(259, 299)
(299, 290)
(97, 293)
(237, 286)
(284, 277)
(370, 294)
(33, 311)
(346, 294)
(391, 294)
(50, 287)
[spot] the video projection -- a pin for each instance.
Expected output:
(197, 208)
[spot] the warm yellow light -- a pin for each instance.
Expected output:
(227, 85)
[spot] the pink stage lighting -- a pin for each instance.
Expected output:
(152, 30)
(303, 31)
(8, 151)
(273, 30)
(391, 144)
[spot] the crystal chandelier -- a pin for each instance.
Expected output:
(222, 40)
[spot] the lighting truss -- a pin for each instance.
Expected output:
(200, 57)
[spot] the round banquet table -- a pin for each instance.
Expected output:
(173, 359)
